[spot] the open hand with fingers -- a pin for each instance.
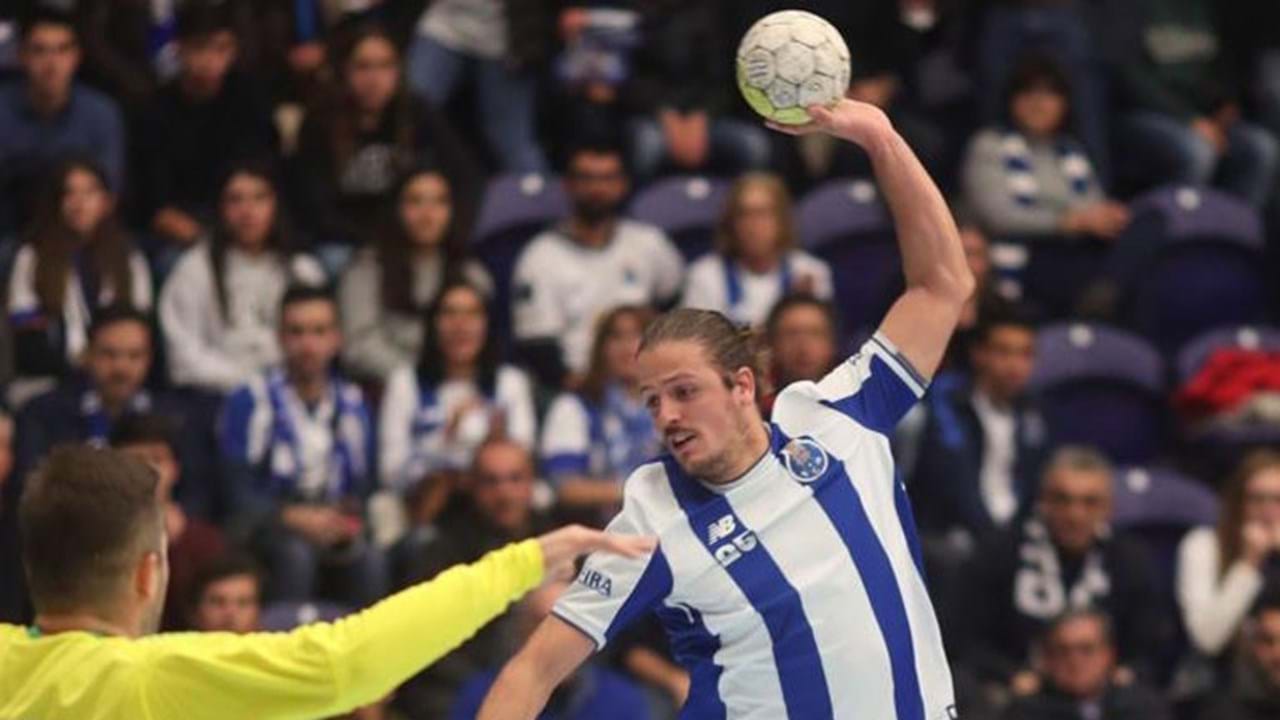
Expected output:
(848, 119)
(562, 547)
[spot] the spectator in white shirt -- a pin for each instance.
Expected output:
(595, 260)
(755, 263)
(1223, 571)
(219, 307)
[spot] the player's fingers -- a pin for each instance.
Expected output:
(625, 545)
(822, 115)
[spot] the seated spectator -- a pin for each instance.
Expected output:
(1223, 571)
(497, 509)
(683, 87)
(593, 438)
(193, 543)
(128, 48)
(1030, 177)
(1255, 690)
(1064, 558)
(1078, 677)
(436, 414)
(1184, 123)
(594, 69)
(219, 307)
(756, 262)
(75, 261)
(297, 442)
(226, 596)
(802, 334)
(570, 275)
(498, 47)
(45, 115)
(355, 146)
(387, 289)
(591, 692)
(984, 439)
(205, 118)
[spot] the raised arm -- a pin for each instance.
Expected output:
(938, 280)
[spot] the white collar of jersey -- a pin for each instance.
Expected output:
(757, 470)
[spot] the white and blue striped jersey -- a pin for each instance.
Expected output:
(796, 591)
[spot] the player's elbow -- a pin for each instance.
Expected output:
(952, 284)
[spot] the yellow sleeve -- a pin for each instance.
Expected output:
(330, 668)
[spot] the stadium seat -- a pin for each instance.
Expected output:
(1207, 269)
(515, 208)
(845, 223)
(687, 208)
(1102, 387)
(1241, 337)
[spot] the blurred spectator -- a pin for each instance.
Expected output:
(220, 305)
(46, 115)
(984, 440)
(498, 509)
(1079, 677)
(684, 88)
(226, 596)
(1223, 571)
(128, 45)
(204, 119)
(498, 45)
(593, 438)
(389, 286)
(594, 260)
(1255, 691)
(297, 441)
(756, 262)
(1184, 123)
(594, 71)
(194, 544)
(802, 334)
(290, 53)
(6, 453)
(75, 261)
(355, 145)
(591, 692)
(1064, 558)
(1030, 177)
(436, 414)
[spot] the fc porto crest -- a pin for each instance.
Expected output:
(805, 459)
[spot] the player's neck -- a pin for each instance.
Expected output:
(755, 446)
(56, 623)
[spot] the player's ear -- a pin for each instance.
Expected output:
(744, 384)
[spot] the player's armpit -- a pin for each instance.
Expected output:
(555, 650)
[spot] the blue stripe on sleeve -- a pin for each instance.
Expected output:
(772, 596)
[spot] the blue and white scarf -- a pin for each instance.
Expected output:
(96, 423)
(622, 433)
(1020, 175)
(350, 429)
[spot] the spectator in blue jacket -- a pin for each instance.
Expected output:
(297, 442)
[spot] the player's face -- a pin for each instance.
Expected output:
(249, 210)
(205, 61)
(1266, 646)
(1078, 659)
(803, 345)
(85, 202)
(621, 345)
(1075, 505)
(462, 325)
(1039, 111)
(1262, 497)
(309, 337)
(702, 417)
(503, 486)
(597, 184)
(373, 73)
(229, 605)
(755, 223)
(50, 56)
(1004, 361)
(118, 360)
(425, 209)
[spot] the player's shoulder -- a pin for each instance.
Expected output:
(647, 492)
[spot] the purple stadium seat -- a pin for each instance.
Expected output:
(515, 208)
(845, 223)
(686, 208)
(285, 616)
(1243, 337)
(1102, 387)
(1151, 497)
(1207, 270)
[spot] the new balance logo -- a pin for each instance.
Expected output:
(597, 581)
(721, 529)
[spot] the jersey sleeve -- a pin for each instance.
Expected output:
(566, 439)
(875, 387)
(612, 591)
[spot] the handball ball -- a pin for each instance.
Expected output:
(790, 60)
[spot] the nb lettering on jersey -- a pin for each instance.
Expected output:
(596, 580)
(721, 529)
